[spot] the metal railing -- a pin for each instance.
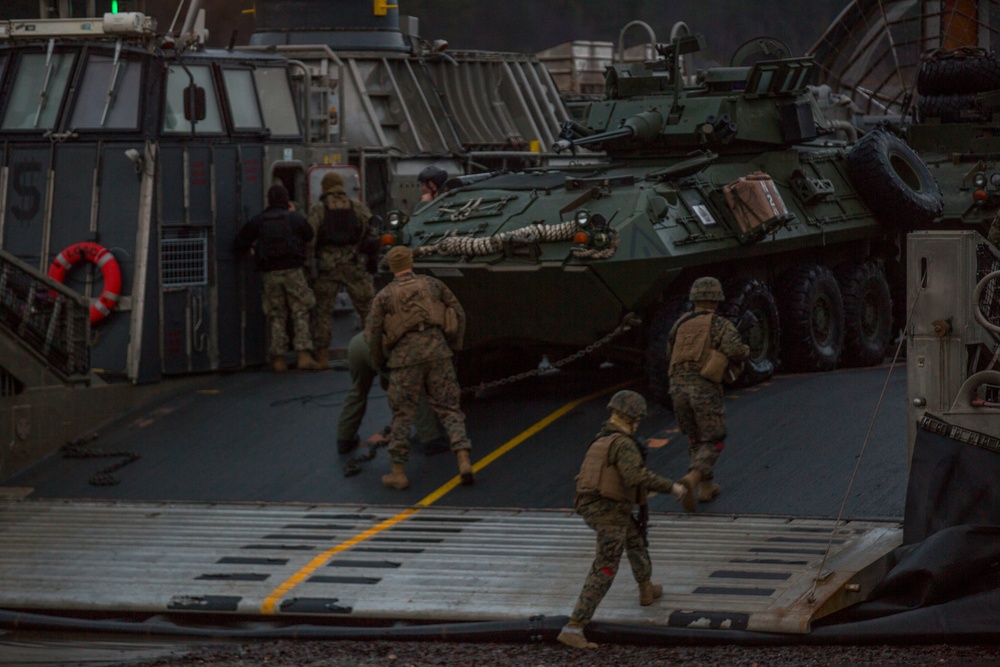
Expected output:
(46, 317)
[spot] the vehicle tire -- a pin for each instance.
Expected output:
(958, 76)
(657, 364)
(949, 108)
(812, 318)
(867, 313)
(893, 181)
(764, 338)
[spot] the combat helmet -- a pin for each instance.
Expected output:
(706, 288)
(628, 403)
(432, 174)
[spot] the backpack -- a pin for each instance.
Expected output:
(276, 239)
(340, 226)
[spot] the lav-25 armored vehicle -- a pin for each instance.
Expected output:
(733, 172)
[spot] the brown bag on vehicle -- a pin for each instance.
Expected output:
(756, 204)
(715, 367)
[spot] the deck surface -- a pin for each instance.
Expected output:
(345, 563)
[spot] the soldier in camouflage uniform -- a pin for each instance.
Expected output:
(363, 373)
(697, 400)
(338, 264)
(279, 236)
(409, 319)
(612, 480)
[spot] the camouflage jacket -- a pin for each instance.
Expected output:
(415, 347)
(624, 454)
(723, 337)
(330, 256)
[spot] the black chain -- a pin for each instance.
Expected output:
(627, 322)
(77, 449)
(353, 465)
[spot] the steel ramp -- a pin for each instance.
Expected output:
(348, 563)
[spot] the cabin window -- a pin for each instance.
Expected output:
(181, 81)
(242, 99)
(276, 101)
(109, 95)
(39, 86)
(184, 256)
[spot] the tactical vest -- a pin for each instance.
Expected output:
(598, 476)
(692, 341)
(277, 242)
(340, 226)
(414, 308)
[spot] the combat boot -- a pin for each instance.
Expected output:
(648, 591)
(572, 635)
(690, 482)
(465, 466)
(708, 491)
(278, 364)
(306, 361)
(323, 358)
(396, 479)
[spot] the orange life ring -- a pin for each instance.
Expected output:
(103, 258)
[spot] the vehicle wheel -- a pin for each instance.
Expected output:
(657, 364)
(764, 338)
(949, 108)
(812, 318)
(958, 76)
(867, 313)
(893, 181)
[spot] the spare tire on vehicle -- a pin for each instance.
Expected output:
(958, 74)
(893, 181)
(949, 108)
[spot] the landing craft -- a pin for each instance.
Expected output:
(177, 144)
(261, 561)
(735, 172)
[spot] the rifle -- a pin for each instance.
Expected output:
(641, 518)
(370, 246)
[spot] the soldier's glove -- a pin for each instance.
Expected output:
(679, 491)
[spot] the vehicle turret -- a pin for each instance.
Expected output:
(652, 107)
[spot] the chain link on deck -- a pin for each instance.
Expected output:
(77, 449)
(627, 323)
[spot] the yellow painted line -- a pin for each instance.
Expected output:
(271, 601)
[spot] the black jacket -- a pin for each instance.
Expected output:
(278, 237)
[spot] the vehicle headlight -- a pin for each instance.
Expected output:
(582, 219)
(396, 219)
(995, 180)
(979, 180)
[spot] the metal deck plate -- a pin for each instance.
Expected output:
(427, 564)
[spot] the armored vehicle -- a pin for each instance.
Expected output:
(733, 172)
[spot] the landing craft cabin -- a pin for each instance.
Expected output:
(149, 150)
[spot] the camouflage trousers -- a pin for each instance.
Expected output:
(701, 416)
(363, 375)
(350, 275)
(286, 294)
(437, 380)
(614, 535)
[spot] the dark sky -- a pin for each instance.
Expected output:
(533, 25)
